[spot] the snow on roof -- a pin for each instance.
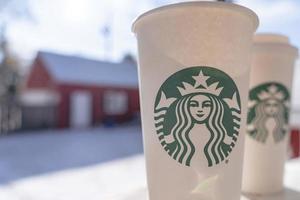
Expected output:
(78, 70)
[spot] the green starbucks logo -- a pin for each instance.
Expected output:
(268, 111)
(198, 96)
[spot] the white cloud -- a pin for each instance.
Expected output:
(277, 16)
(273, 11)
(78, 28)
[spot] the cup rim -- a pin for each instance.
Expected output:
(272, 41)
(263, 38)
(230, 6)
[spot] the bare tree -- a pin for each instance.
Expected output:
(10, 114)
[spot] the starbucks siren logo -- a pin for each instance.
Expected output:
(198, 96)
(268, 110)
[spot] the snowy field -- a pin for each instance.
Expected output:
(124, 179)
(58, 164)
(96, 164)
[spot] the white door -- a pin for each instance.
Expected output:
(81, 109)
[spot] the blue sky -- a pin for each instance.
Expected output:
(76, 26)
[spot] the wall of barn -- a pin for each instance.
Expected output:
(98, 114)
(39, 77)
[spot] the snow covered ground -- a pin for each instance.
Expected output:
(97, 164)
(123, 179)
(116, 180)
(26, 156)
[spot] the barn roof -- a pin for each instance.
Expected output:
(78, 70)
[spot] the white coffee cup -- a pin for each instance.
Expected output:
(269, 105)
(194, 62)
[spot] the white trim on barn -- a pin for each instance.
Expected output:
(115, 102)
(39, 97)
(81, 109)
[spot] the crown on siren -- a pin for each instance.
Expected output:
(200, 86)
(272, 92)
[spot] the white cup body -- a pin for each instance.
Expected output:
(269, 105)
(174, 44)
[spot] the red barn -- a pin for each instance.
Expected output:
(69, 91)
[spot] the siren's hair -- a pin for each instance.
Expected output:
(260, 133)
(279, 131)
(185, 149)
(213, 149)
